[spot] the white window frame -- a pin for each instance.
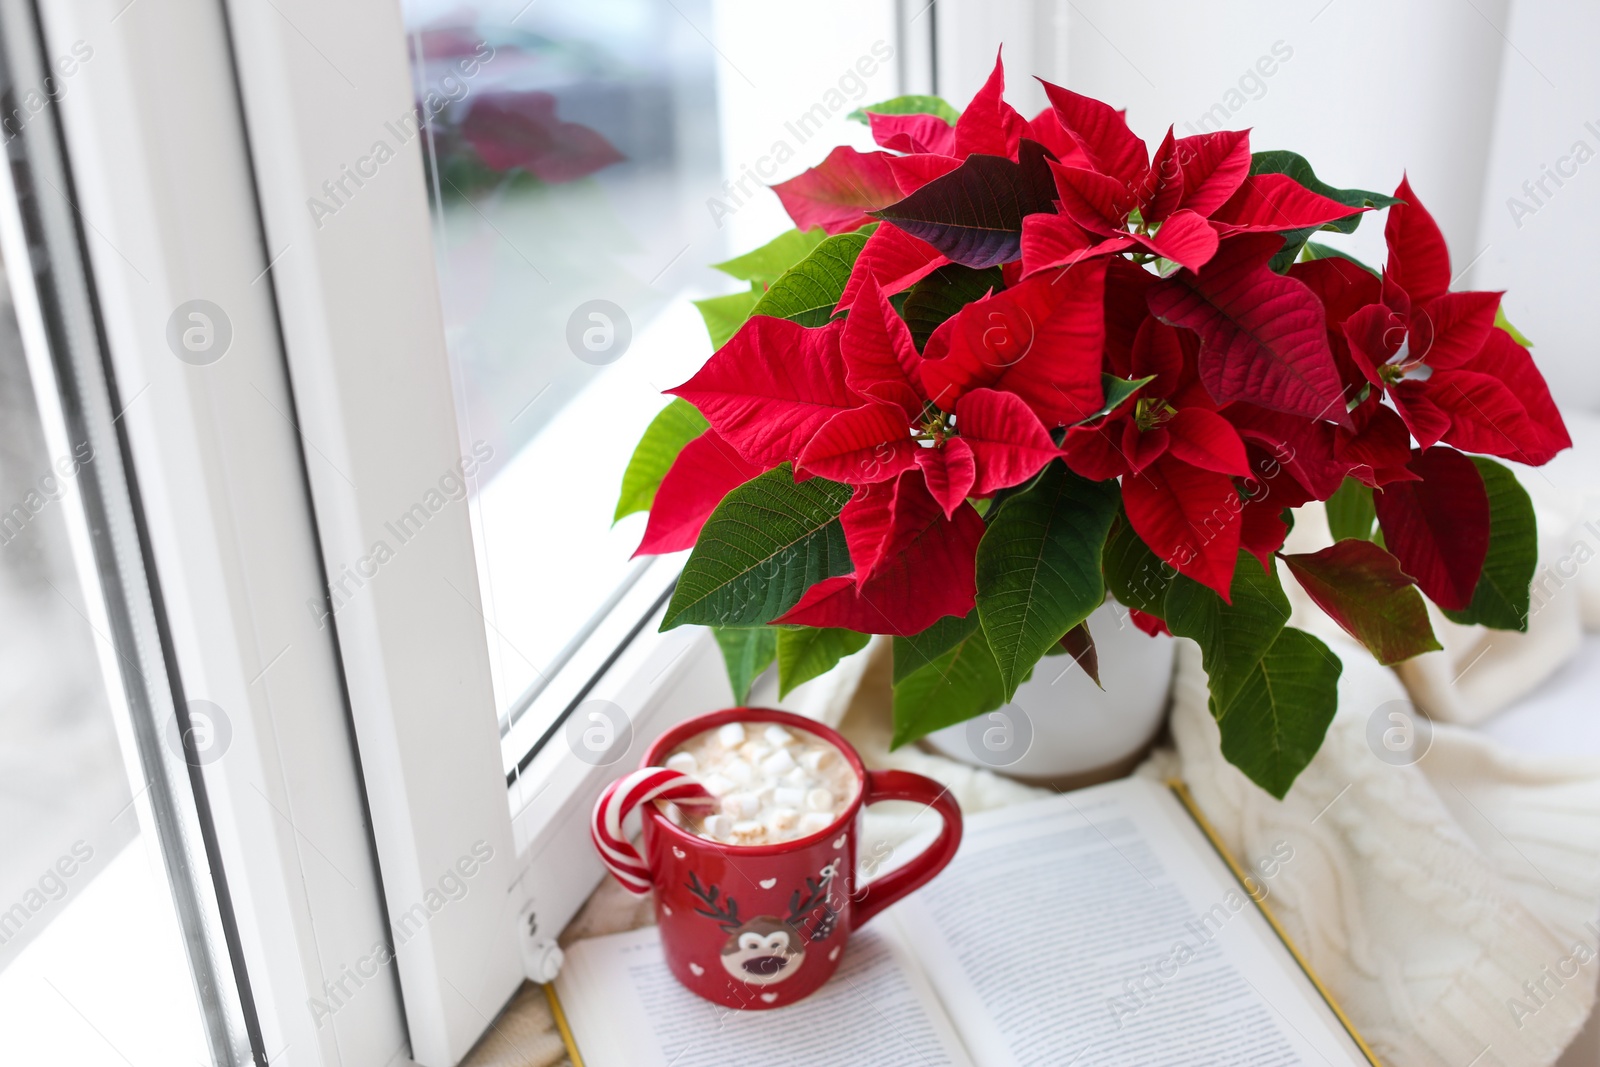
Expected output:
(224, 504)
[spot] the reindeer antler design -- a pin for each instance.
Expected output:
(726, 913)
(816, 893)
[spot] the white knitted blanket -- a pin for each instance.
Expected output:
(1424, 896)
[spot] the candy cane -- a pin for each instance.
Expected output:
(620, 798)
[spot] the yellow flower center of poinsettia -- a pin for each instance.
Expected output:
(1150, 412)
(1405, 365)
(934, 428)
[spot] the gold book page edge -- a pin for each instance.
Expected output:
(561, 1024)
(1182, 792)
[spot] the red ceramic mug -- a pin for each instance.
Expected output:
(760, 926)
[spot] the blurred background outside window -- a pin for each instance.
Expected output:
(586, 163)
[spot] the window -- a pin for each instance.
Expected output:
(585, 164)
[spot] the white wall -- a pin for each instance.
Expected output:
(969, 32)
(1549, 103)
(1370, 88)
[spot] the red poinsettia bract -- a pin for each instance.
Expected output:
(1141, 328)
(1437, 356)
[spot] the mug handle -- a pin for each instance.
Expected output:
(903, 785)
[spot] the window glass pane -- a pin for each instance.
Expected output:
(587, 162)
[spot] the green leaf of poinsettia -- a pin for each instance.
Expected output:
(908, 105)
(1296, 167)
(1350, 511)
(766, 264)
(675, 426)
(1362, 589)
(1501, 598)
(911, 654)
(1280, 713)
(808, 291)
(767, 543)
(1232, 637)
(746, 651)
(1039, 567)
(1504, 323)
(1316, 250)
(1117, 390)
(943, 293)
(1134, 574)
(962, 682)
(806, 652)
(762, 268)
(724, 315)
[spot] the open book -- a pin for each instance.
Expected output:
(1100, 927)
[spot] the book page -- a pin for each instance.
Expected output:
(626, 1010)
(1100, 928)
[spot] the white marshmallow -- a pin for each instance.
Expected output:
(779, 763)
(813, 821)
(788, 796)
(771, 783)
(815, 759)
(741, 805)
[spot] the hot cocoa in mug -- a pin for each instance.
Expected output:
(772, 784)
(751, 820)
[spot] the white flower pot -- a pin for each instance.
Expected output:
(1061, 728)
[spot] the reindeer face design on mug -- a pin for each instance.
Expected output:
(765, 950)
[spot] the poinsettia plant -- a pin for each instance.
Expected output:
(1005, 367)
